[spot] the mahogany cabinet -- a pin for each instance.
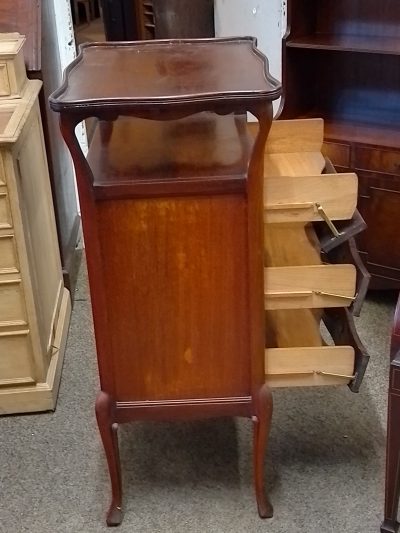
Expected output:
(157, 19)
(172, 209)
(348, 51)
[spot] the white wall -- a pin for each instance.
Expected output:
(58, 50)
(264, 19)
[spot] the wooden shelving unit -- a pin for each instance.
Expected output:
(341, 63)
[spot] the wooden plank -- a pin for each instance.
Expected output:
(297, 287)
(300, 367)
(288, 199)
(294, 164)
(299, 135)
(283, 331)
(292, 244)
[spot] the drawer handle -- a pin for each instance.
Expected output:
(328, 221)
(322, 293)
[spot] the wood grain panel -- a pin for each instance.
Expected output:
(5, 89)
(183, 262)
(299, 367)
(39, 228)
(15, 358)
(289, 199)
(339, 154)
(303, 164)
(294, 287)
(8, 254)
(5, 213)
(12, 304)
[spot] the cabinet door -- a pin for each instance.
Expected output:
(379, 204)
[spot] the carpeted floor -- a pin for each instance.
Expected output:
(325, 466)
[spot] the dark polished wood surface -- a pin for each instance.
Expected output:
(167, 72)
(200, 153)
(183, 19)
(24, 16)
(349, 53)
(172, 211)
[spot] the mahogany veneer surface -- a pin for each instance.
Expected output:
(166, 72)
(201, 148)
(172, 211)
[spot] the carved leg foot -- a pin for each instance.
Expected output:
(262, 424)
(108, 432)
(388, 526)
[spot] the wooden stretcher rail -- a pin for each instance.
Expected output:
(311, 286)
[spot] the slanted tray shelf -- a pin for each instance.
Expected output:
(314, 277)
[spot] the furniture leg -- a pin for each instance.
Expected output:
(262, 425)
(392, 489)
(108, 431)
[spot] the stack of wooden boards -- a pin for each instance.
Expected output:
(313, 273)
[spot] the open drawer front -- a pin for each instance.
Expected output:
(310, 286)
(303, 358)
(310, 198)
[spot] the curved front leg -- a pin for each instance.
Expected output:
(261, 428)
(108, 432)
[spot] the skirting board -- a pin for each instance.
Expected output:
(41, 396)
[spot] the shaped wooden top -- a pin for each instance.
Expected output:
(131, 75)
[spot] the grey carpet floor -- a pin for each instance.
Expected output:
(324, 469)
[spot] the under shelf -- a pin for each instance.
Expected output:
(199, 149)
(347, 43)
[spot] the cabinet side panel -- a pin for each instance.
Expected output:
(176, 276)
(39, 229)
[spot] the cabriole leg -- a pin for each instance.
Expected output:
(261, 428)
(108, 432)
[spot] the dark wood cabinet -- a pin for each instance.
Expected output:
(342, 63)
(157, 19)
